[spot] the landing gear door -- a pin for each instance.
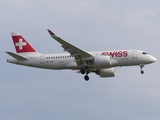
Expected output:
(42, 59)
(134, 54)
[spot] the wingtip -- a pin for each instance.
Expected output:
(50, 32)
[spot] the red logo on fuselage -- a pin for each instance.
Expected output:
(116, 53)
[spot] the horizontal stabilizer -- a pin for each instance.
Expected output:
(16, 56)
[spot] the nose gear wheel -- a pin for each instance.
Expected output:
(141, 66)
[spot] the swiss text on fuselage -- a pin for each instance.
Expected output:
(116, 53)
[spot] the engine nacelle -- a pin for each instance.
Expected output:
(102, 60)
(108, 72)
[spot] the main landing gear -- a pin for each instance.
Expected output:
(86, 77)
(83, 71)
(141, 66)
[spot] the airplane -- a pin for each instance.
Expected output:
(102, 63)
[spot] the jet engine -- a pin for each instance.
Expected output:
(108, 72)
(102, 60)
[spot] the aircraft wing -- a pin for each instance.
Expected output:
(79, 54)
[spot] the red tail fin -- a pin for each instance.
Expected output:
(21, 45)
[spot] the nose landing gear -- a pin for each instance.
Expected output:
(141, 66)
(142, 72)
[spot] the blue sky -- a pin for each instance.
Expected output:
(37, 94)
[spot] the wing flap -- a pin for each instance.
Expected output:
(16, 56)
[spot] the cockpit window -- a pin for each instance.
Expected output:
(144, 53)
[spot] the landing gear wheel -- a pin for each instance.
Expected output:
(86, 77)
(142, 72)
(83, 71)
(141, 66)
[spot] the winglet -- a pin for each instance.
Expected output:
(51, 33)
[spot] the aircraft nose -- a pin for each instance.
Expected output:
(153, 59)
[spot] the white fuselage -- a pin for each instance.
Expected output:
(66, 61)
(102, 63)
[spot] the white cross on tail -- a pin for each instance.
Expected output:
(21, 44)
